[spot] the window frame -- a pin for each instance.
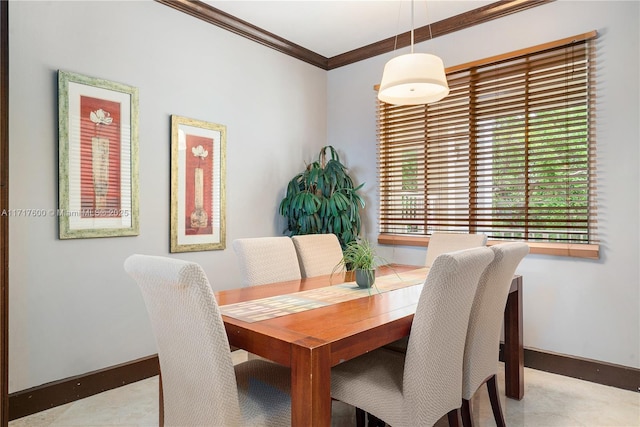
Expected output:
(581, 250)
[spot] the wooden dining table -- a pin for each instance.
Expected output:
(310, 342)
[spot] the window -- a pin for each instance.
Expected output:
(510, 152)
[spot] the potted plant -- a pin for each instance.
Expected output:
(359, 256)
(323, 199)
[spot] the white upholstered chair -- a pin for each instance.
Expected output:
(200, 385)
(440, 243)
(485, 323)
(419, 387)
(318, 254)
(267, 260)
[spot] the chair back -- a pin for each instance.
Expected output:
(198, 379)
(485, 322)
(267, 260)
(440, 243)
(432, 382)
(318, 254)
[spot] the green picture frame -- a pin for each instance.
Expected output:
(98, 157)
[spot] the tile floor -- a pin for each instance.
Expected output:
(550, 400)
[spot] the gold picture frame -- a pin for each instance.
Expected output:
(198, 171)
(98, 157)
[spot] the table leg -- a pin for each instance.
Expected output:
(310, 384)
(513, 344)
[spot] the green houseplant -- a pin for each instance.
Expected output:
(323, 199)
(360, 256)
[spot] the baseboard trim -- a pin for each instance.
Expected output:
(40, 398)
(56, 393)
(595, 371)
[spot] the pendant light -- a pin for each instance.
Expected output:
(414, 78)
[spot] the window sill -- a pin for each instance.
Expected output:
(589, 251)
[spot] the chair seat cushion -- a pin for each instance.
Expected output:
(372, 382)
(264, 393)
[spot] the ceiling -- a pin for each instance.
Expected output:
(333, 27)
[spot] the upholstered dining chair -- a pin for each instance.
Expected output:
(200, 385)
(485, 323)
(318, 254)
(421, 386)
(267, 260)
(440, 243)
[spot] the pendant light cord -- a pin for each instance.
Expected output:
(412, 2)
(426, 10)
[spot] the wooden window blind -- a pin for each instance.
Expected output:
(510, 152)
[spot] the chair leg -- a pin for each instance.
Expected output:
(375, 421)
(467, 413)
(454, 418)
(360, 417)
(492, 387)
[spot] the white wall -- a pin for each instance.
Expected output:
(578, 307)
(72, 307)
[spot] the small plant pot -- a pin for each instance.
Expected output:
(365, 278)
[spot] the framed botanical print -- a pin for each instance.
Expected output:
(98, 157)
(197, 185)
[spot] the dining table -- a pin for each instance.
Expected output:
(312, 324)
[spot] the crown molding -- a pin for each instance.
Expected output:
(468, 19)
(245, 29)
